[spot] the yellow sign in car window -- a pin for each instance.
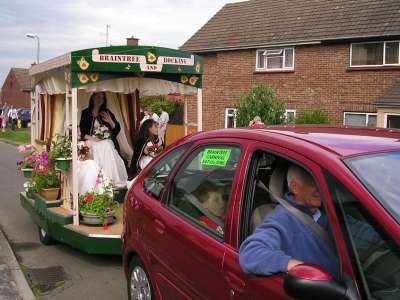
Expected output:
(215, 157)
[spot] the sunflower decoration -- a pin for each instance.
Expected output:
(94, 77)
(184, 79)
(198, 67)
(83, 78)
(151, 57)
(83, 64)
(193, 79)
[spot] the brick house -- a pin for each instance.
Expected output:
(339, 56)
(16, 88)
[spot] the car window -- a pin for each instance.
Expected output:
(157, 177)
(375, 258)
(201, 188)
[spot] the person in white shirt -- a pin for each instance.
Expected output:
(13, 116)
(162, 127)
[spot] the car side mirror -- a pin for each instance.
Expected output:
(306, 281)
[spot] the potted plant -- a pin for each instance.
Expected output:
(61, 152)
(47, 183)
(97, 207)
(27, 165)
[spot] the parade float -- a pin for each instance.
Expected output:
(62, 87)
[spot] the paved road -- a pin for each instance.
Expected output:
(82, 276)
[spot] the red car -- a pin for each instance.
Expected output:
(188, 212)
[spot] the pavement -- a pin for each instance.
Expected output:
(55, 272)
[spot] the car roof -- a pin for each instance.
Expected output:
(340, 140)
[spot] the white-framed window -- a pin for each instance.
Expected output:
(290, 115)
(375, 54)
(360, 119)
(275, 59)
(230, 117)
(392, 120)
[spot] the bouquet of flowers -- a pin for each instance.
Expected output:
(102, 132)
(83, 151)
(154, 149)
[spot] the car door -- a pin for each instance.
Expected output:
(239, 284)
(190, 249)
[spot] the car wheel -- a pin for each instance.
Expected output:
(139, 284)
(44, 237)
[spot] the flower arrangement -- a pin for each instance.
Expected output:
(27, 163)
(99, 201)
(44, 179)
(154, 149)
(61, 147)
(83, 151)
(102, 132)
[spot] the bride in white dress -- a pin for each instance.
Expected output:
(99, 129)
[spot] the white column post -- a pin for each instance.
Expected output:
(199, 109)
(67, 104)
(74, 112)
(185, 116)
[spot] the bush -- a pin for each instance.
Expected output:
(154, 103)
(315, 116)
(261, 101)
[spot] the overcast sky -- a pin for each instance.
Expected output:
(76, 24)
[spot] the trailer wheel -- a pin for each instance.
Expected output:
(139, 283)
(44, 237)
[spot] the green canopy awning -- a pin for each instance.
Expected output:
(98, 64)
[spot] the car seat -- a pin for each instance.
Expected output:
(277, 185)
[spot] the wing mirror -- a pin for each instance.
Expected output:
(304, 282)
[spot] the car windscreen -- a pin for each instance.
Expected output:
(380, 174)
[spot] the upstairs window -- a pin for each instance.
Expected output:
(375, 54)
(275, 59)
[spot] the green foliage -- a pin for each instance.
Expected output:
(22, 136)
(98, 203)
(43, 180)
(154, 103)
(261, 101)
(61, 147)
(315, 116)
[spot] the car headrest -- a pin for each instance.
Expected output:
(278, 179)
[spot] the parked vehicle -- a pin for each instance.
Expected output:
(171, 252)
(24, 114)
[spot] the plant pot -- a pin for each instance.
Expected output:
(50, 193)
(63, 163)
(93, 219)
(27, 172)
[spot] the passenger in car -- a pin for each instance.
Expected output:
(212, 201)
(283, 241)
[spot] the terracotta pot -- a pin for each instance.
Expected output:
(93, 219)
(63, 163)
(27, 172)
(50, 193)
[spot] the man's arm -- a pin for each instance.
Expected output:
(261, 252)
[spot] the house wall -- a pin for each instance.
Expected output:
(12, 94)
(321, 79)
(382, 112)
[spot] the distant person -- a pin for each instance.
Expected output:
(162, 125)
(13, 117)
(146, 116)
(3, 118)
(256, 122)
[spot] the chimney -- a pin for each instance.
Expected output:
(131, 41)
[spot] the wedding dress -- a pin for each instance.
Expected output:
(108, 159)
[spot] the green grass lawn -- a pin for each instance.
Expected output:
(22, 136)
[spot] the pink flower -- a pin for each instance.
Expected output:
(21, 149)
(43, 172)
(28, 147)
(98, 180)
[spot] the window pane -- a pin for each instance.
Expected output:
(158, 176)
(230, 122)
(372, 120)
(374, 256)
(275, 62)
(355, 119)
(202, 187)
(392, 53)
(289, 58)
(260, 59)
(393, 121)
(367, 54)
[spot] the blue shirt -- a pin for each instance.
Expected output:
(281, 237)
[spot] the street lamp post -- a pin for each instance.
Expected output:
(35, 36)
